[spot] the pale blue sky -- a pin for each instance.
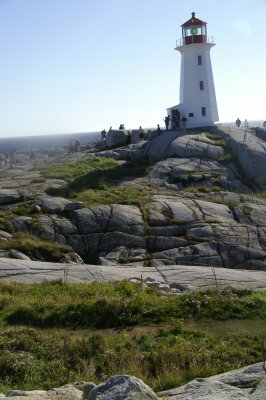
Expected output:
(85, 65)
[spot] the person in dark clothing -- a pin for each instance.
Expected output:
(167, 120)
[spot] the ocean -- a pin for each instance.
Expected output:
(61, 140)
(45, 141)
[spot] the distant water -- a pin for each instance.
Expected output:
(61, 140)
(251, 124)
(38, 142)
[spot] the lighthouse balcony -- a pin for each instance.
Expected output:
(194, 39)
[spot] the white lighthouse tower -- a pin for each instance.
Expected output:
(197, 102)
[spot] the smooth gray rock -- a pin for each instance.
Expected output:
(260, 392)
(178, 144)
(5, 235)
(73, 205)
(9, 196)
(18, 254)
(122, 387)
(250, 151)
(174, 275)
(91, 220)
(204, 389)
(237, 384)
(116, 138)
(67, 392)
(53, 205)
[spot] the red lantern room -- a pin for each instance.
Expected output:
(194, 31)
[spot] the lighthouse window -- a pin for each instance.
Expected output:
(203, 111)
(201, 85)
(191, 115)
(199, 60)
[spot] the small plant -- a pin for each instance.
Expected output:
(246, 210)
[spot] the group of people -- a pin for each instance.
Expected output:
(167, 121)
(238, 123)
(175, 122)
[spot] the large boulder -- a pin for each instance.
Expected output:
(122, 387)
(178, 144)
(241, 384)
(250, 151)
(183, 173)
(118, 137)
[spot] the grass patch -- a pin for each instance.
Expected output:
(23, 209)
(200, 188)
(122, 194)
(227, 202)
(259, 195)
(55, 333)
(70, 171)
(217, 139)
(100, 181)
(36, 248)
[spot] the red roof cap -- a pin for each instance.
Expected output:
(193, 22)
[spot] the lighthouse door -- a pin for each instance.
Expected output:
(175, 119)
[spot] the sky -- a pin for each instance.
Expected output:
(85, 65)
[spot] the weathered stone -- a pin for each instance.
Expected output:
(18, 254)
(160, 243)
(5, 234)
(73, 205)
(122, 387)
(116, 138)
(204, 389)
(127, 219)
(250, 152)
(91, 220)
(8, 196)
(52, 205)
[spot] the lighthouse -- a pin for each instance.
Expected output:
(197, 101)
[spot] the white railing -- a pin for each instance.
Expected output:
(181, 41)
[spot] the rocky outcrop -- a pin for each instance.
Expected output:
(169, 278)
(215, 230)
(247, 383)
(238, 384)
(117, 137)
(249, 150)
(122, 387)
(182, 173)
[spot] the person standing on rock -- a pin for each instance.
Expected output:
(12, 158)
(103, 133)
(246, 123)
(32, 155)
(184, 122)
(167, 120)
(141, 133)
(238, 122)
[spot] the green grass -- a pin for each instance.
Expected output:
(217, 139)
(122, 194)
(200, 188)
(260, 195)
(55, 333)
(36, 248)
(227, 202)
(100, 181)
(69, 171)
